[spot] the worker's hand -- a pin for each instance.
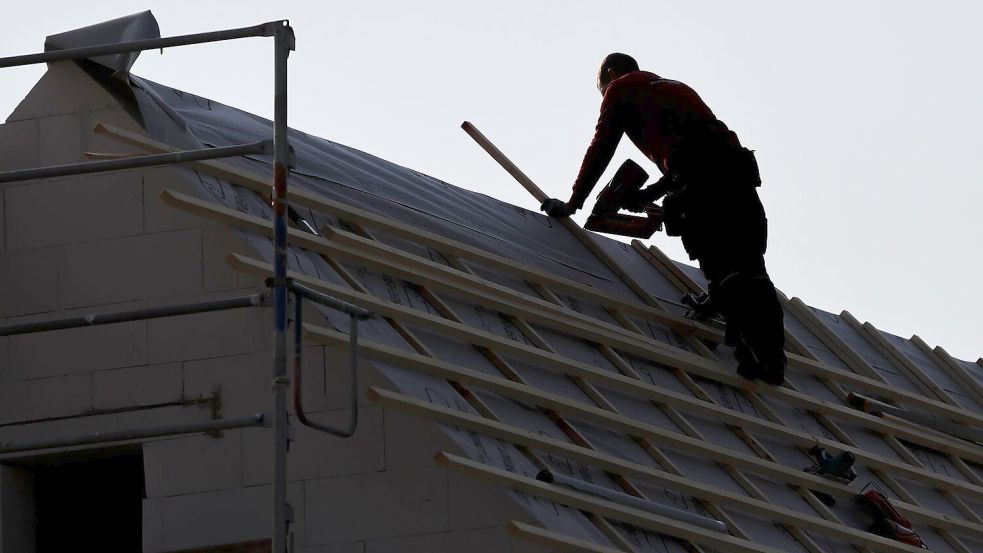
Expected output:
(557, 209)
(636, 203)
(647, 196)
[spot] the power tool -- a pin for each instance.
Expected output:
(888, 522)
(623, 193)
(838, 468)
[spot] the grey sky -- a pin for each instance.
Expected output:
(866, 116)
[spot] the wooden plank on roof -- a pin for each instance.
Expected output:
(670, 439)
(615, 511)
(953, 368)
(809, 366)
(696, 488)
(891, 352)
(549, 538)
(557, 363)
(509, 302)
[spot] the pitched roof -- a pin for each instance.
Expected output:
(537, 349)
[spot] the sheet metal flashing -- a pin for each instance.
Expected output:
(138, 26)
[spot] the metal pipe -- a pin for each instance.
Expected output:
(551, 477)
(328, 301)
(284, 43)
(261, 147)
(264, 29)
(258, 419)
(253, 300)
(298, 377)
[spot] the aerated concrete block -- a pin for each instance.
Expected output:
(244, 381)
(159, 216)
(18, 516)
(19, 145)
(74, 209)
(77, 350)
(40, 398)
(484, 540)
(60, 139)
(314, 454)
(412, 441)
(214, 334)
(379, 505)
(218, 243)
(153, 525)
(3, 222)
(48, 96)
(317, 388)
(475, 504)
(32, 281)
(116, 117)
(215, 518)
(193, 464)
(149, 266)
(5, 359)
(336, 368)
(18, 536)
(17, 494)
(136, 386)
(352, 547)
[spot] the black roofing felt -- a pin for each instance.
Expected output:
(368, 182)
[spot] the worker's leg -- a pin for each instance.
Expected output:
(733, 263)
(750, 301)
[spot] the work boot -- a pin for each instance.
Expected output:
(770, 369)
(748, 365)
(773, 372)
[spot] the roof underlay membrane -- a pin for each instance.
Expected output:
(533, 351)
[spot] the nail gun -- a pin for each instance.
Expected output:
(623, 192)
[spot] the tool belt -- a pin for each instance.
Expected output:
(703, 172)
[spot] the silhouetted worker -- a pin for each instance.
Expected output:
(709, 183)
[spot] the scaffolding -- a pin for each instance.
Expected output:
(281, 287)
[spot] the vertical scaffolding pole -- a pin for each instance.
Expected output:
(284, 43)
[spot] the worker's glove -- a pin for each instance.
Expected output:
(557, 209)
(647, 196)
(636, 203)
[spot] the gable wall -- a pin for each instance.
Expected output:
(85, 244)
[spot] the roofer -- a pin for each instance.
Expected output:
(709, 183)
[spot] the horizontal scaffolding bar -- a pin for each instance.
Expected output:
(259, 419)
(252, 300)
(326, 300)
(187, 156)
(264, 29)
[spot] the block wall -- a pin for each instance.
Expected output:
(88, 244)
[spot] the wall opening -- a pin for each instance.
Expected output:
(90, 503)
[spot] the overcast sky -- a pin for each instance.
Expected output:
(866, 116)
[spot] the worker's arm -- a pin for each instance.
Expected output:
(606, 137)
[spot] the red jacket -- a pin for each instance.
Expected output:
(655, 113)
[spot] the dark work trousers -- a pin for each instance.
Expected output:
(727, 232)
